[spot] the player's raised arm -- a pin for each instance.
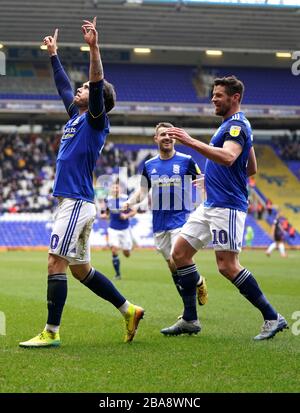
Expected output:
(61, 79)
(90, 35)
(96, 111)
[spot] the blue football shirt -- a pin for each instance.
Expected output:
(170, 180)
(79, 150)
(114, 205)
(226, 186)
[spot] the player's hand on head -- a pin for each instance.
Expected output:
(51, 43)
(90, 33)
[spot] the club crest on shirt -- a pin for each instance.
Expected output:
(235, 131)
(176, 169)
(76, 121)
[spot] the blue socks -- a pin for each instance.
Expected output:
(116, 264)
(103, 287)
(187, 280)
(56, 297)
(249, 288)
(176, 282)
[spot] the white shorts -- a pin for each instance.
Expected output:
(73, 220)
(223, 226)
(165, 240)
(120, 238)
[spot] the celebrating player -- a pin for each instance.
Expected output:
(82, 141)
(169, 174)
(230, 159)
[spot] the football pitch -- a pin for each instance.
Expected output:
(93, 357)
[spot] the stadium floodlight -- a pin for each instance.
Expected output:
(286, 55)
(142, 50)
(1, 46)
(214, 52)
(130, 2)
(43, 47)
(85, 48)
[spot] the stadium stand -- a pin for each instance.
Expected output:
(261, 237)
(161, 83)
(281, 186)
(294, 167)
(27, 170)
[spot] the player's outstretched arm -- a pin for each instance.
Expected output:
(224, 156)
(61, 79)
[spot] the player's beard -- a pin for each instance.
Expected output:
(80, 103)
(165, 150)
(223, 109)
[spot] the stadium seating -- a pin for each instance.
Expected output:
(276, 182)
(160, 83)
(294, 167)
(261, 238)
(27, 170)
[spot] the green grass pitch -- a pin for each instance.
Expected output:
(93, 357)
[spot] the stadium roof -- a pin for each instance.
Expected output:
(161, 25)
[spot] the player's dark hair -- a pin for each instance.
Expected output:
(163, 125)
(231, 84)
(109, 95)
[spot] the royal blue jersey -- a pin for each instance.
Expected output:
(226, 186)
(82, 141)
(79, 150)
(170, 180)
(114, 206)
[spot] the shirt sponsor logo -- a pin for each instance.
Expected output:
(166, 181)
(235, 131)
(68, 133)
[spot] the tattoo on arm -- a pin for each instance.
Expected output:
(96, 68)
